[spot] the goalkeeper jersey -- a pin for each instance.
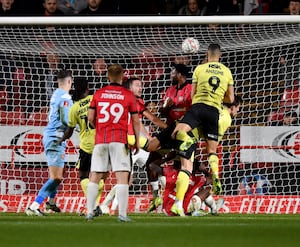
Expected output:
(78, 115)
(60, 104)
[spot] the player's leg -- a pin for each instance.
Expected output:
(108, 200)
(210, 131)
(154, 173)
(55, 165)
(213, 161)
(120, 158)
(182, 183)
(99, 168)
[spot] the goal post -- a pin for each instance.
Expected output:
(260, 152)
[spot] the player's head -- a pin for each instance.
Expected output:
(235, 105)
(213, 52)
(135, 85)
(81, 88)
(64, 79)
(115, 73)
(179, 73)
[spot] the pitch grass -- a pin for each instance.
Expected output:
(150, 230)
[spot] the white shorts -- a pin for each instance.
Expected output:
(140, 158)
(113, 156)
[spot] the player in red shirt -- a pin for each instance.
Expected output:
(177, 98)
(135, 85)
(108, 113)
(198, 189)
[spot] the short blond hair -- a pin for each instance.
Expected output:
(115, 72)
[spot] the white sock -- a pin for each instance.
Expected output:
(162, 180)
(122, 193)
(110, 196)
(114, 204)
(154, 185)
(34, 206)
(179, 204)
(211, 203)
(155, 188)
(92, 192)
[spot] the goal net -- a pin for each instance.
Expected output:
(260, 153)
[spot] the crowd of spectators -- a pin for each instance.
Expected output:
(147, 7)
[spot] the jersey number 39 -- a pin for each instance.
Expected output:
(108, 110)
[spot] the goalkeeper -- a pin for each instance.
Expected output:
(60, 104)
(163, 142)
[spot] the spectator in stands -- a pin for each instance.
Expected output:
(294, 7)
(177, 98)
(97, 7)
(250, 6)
(285, 71)
(50, 8)
(7, 8)
(97, 75)
(71, 7)
(291, 118)
(193, 7)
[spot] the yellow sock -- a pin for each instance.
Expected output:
(84, 184)
(213, 161)
(182, 136)
(143, 141)
(100, 189)
(182, 184)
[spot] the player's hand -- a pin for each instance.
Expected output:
(136, 148)
(168, 103)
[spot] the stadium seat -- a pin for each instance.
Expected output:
(16, 117)
(290, 98)
(275, 117)
(38, 119)
(3, 99)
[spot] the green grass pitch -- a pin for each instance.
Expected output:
(150, 230)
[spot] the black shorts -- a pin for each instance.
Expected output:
(203, 115)
(84, 161)
(164, 137)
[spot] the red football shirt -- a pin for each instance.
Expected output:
(182, 100)
(140, 105)
(113, 103)
(170, 190)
